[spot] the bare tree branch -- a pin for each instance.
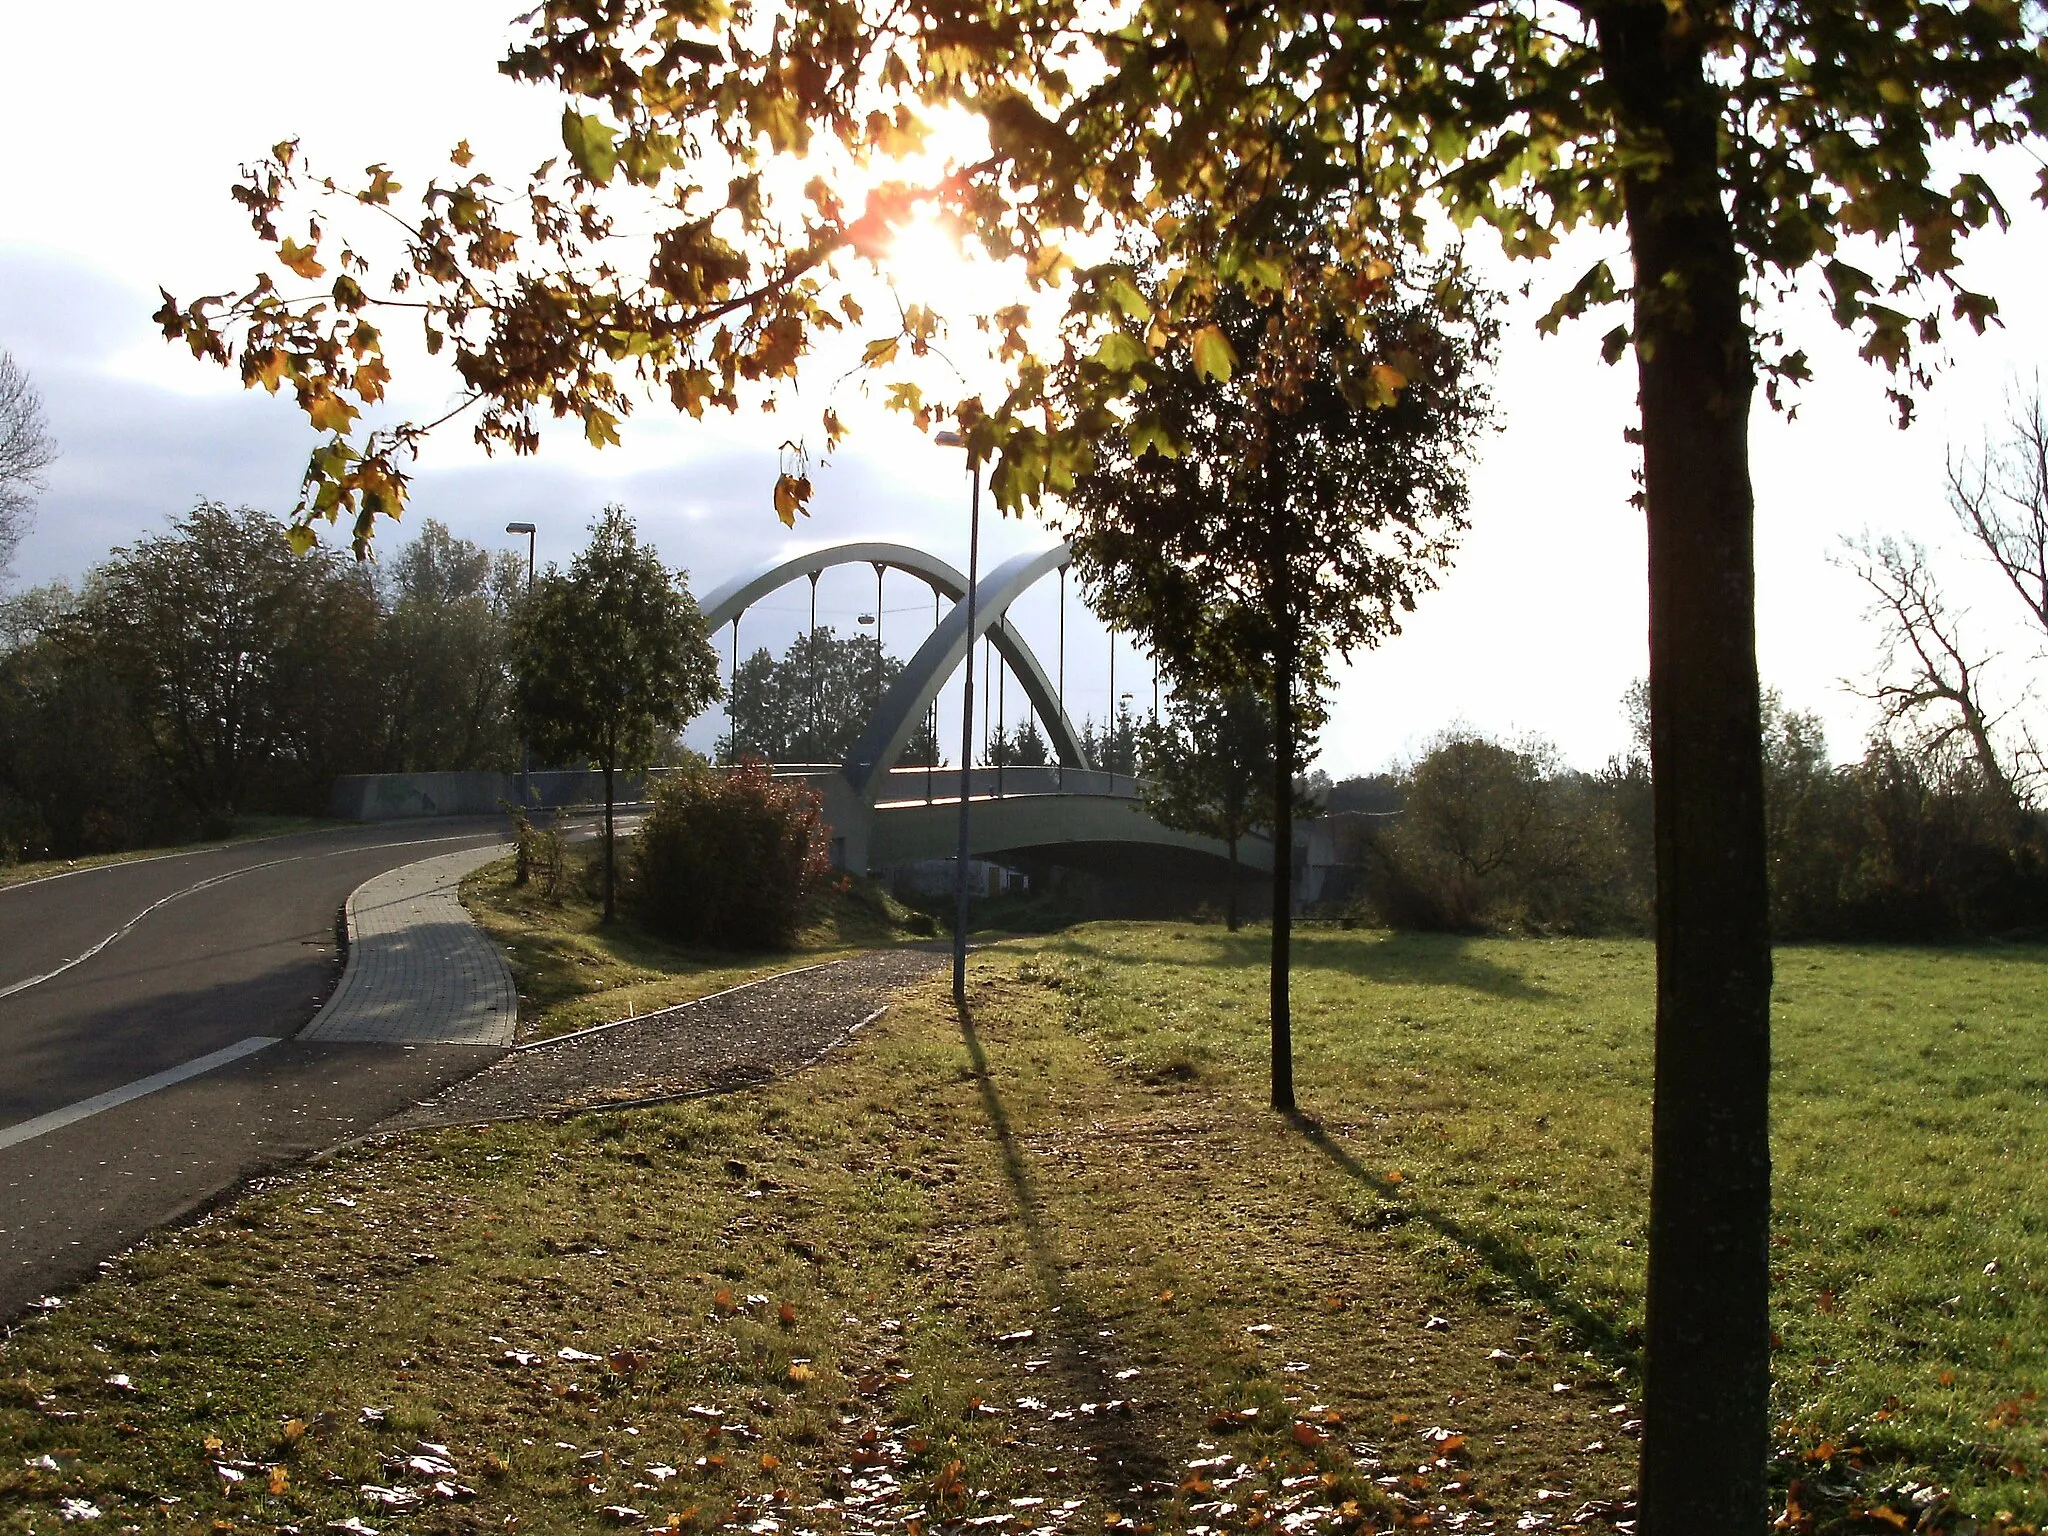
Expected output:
(26, 450)
(2001, 499)
(1927, 681)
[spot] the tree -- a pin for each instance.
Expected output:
(1929, 683)
(249, 669)
(26, 450)
(448, 609)
(1283, 512)
(1112, 745)
(609, 660)
(1741, 149)
(1209, 770)
(812, 704)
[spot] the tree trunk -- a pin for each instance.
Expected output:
(609, 907)
(1283, 870)
(1707, 1361)
(1230, 899)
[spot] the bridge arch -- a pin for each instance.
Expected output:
(936, 660)
(944, 650)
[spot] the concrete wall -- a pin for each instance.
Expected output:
(394, 796)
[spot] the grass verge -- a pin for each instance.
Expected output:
(247, 829)
(575, 970)
(1061, 1271)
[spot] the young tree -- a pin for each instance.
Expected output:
(609, 660)
(1740, 148)
(26, 450)
(1209, 770)
(1282, 513)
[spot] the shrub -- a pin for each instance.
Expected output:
(728, 858)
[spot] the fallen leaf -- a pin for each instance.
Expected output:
(788, 1315)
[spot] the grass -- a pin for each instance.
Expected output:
(575, 970)
(246, 829)
(1419, 1298)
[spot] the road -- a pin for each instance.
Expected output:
(113, 975)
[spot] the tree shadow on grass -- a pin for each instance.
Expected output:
(1126, 1467)
(1603, 1335)
(1400, 959)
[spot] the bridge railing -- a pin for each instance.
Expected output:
(917, 786)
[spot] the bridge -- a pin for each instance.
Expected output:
(883, 813)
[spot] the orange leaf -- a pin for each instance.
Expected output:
(788, 1315)
(302, 259)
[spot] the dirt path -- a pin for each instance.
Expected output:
(727, 1040)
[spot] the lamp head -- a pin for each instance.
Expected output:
(519, 528)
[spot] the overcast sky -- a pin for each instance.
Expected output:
(111, 190)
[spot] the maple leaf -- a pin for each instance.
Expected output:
(301, 259)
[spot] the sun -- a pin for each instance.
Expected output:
(928, 265)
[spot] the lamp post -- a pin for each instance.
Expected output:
(955, 440)
(525, 752)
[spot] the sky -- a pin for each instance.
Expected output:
(1538, 629)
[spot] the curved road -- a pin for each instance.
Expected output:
(116, 974)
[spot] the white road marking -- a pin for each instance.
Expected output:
(81, 958)
(210, 881)
(85, 1109)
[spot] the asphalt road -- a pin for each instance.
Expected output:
(115, 974)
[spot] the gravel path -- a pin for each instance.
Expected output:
(728, 1040)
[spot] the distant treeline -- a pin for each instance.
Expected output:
(208, 672)
(1901, 844)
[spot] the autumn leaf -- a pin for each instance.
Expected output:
(294, 1431)
(722, 1300)
(298, 258)
(590, 143)
(1214, 356)
(279, 1480)
(329, 413)
(1306, 1434)
(787, 1313)
(1119, 353)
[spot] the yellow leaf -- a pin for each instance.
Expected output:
(330, 413)
(1214, 356)
(1390, 380)
(279, 1480)
(294, 1431)
(799, 1371)
(600, 427)
(302, 259)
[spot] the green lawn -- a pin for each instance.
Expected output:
(779, 1298)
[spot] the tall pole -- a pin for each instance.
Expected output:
(966, 744)
(732, 697)
(1109, 731)
(878, 633)
(525, 747)
(932, 717)
(1002, 742)
(1060, 777)
(811, 649)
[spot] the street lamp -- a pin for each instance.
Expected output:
(525, 752)
(955, 440)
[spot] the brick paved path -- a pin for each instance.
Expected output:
(419, 971)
